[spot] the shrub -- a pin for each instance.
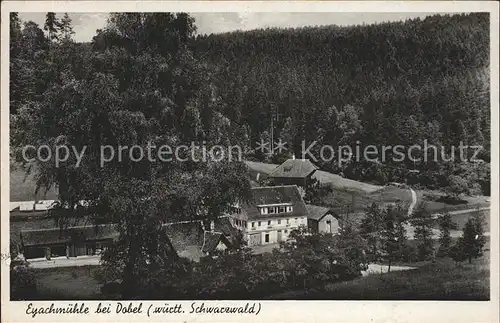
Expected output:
(22, 283)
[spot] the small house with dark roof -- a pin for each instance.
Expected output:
(270, 216)
(293, 172)
(186, 238)
(321, 219)
(214, 241)
(197, 239)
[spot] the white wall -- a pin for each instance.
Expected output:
(272, 229)
(323, 224)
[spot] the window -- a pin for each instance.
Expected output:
(287, 221)
(272, 210)
(328, 222)
(279, 221)
(289, 209)
(253, 224)
(259, 223)
(269, 222)
(286, 231)
(267, 238)
(296, 220)
(281, 209)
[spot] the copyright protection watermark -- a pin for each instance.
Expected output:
(201, 152)
(194, 152)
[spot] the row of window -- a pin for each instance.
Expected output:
(276, 209)
(270, 222)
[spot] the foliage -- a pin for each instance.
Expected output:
(315, 192)
(133, 85)
(423, 222)
(371, 230)
(306, 261)
(393, 233)
(457, 186)
(22, 283)
(445, 225)
(470, 245)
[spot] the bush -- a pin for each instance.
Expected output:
(22, 283)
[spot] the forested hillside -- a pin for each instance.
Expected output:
(397, 83)
(385, 84)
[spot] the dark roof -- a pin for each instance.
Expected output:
(186, 238)
(65, 235)
(212, 239)
(294, 168)
(275, 195)
(224, 226)
(316, 212)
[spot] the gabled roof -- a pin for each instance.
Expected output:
(186, 238)
(66, 235)
(212, 240)
(316, 212)
(284, 194)
(223, 225)
(294, 168)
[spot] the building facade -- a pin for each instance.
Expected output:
(272, 214)
(68, 242)
(321, 219)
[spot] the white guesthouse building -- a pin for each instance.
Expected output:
(272, 214)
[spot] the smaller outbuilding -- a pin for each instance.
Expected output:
(321, 219)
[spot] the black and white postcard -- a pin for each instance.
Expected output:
(250, 161)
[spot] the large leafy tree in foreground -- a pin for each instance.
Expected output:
(131, 86)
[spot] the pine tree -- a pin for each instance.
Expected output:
(422, 221)
(470, 245)
(15, 34)
(445, 224)
(51, 26)
(66, 28)
(393, 237)
(371, 230)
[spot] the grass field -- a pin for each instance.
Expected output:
(68, 283)
(442, 280)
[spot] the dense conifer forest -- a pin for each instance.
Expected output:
(384, 84)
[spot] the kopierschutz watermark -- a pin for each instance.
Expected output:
(390, 153)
